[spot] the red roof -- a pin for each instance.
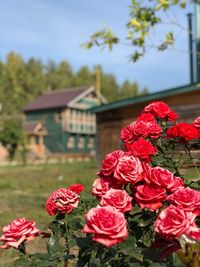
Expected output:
(55, 99)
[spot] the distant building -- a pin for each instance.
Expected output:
(185, 100)
(60, 121)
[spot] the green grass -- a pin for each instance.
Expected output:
(24, 190)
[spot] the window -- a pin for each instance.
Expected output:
(91, 142)
(81, 142)
(58, 117)
(70, 142)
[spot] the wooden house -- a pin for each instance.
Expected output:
(184, 100)
(60, 121)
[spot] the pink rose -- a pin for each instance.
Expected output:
(102, 184)
(160, 177)
(62, 201)
(19, 231)
(178, 183)
(172, 222)
(187, 199)
(100, 187)
(142, 149)
(196, 122)
(107, 224)
(110, 162)
(118, 199)
(150, 196)
(128, 170)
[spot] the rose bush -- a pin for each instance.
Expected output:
(143, 211)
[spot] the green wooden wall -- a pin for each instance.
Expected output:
(56, 140)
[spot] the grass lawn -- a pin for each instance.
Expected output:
(24, 190)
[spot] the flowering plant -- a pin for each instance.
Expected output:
(145, 212)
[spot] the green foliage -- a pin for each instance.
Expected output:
(22, 81)
(144, 16)
(12, 135)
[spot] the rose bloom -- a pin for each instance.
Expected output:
(184, 131)
(177, 184)
(147, 117)
(187, 131)
(172, 222)
(196, 122)
(187, 199)
(160, 177)
(118, 199)
(126, 134)
(62, 201)
(19, 231)
(107, 224)
(154, 130)
(142, 149)
(77, 188)
(150, 196)
(172, 116)
(172, 132)
(140, 129)
(161, 110)
(129, 170)
(100, 187)
(110, 162)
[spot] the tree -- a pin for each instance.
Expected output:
(84, 77)
(59, 76)
(143, 17)
(12, 135)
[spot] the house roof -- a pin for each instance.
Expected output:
(147, 98)
(55, 99)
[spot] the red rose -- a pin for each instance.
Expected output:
(107, 224)
(77, 188)
(142, 149)
(154, 130)
(160, 177)
(177, 184)
(140, 129)
(150, 196)
(172, 222)
(63, 200)
(19, 231)
(172, 116)
(126, 134)
(118, 199)
(172, 132)
(161, 110)
(187, 199)
(128, 170)
(158, 109)
(147, 117)
(110, 162)
(187, 131)
(184, 131)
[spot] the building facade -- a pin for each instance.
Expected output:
(61, 121)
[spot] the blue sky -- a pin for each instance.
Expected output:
(55, 29)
